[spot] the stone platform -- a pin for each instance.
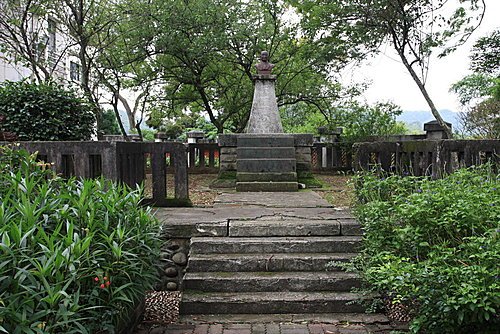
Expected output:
(264, 162)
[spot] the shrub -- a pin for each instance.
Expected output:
(109, 125)
(44, 112)
(434, 245)
(76, 255)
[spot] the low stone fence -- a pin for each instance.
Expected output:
(425, 157)
(203, 158)
(328, 157)
(125, 162)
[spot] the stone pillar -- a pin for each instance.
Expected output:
(264, 116)
(434, 131)
(194, 137)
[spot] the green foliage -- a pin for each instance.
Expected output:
(479, 93)
(44, 112)
(148, 135)
(485, 56)
(76, 255)
(109, 124)
(358, 121)
(414, 28)
(205, 52)
(435, 246)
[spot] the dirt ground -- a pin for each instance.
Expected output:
(336, 189)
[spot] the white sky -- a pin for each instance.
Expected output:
(392, 82)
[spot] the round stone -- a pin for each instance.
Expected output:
(171, 271)
(179, 258)
(171, 286)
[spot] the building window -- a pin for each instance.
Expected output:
(51, 29)
(74, 71)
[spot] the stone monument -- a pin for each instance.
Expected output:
(264, 115)
(264, 158)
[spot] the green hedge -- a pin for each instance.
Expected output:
(75, 255)
(434, 246)
(44, 111)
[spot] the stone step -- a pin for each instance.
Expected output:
(277, 228)
(266, 165)
(265, 141)
(265, 152)
(266, 177)
(267, 186)
(195, 302)
(271, 281)
(270, 245)
(326, 318)
(267, 262)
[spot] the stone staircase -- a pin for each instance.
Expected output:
(266, 163)
(273, 266)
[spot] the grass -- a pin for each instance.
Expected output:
(336, 189)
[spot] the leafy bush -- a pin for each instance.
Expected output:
(109, 124)
(434, 246)
(76, 255)
(44, 112)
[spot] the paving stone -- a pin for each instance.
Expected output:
(352, 331)
(201, 329)
(272, 328)
(238, 326)
(315, 329)
(237, 331)
(259, 329)
(330, 329)
(294, 329)
(178, 331)
(215, 329)
(157, 330)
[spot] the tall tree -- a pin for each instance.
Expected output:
(414, 28)
(479, 92)
(205, 50)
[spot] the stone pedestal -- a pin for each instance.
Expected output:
(264, 116)
(299, 146)
(264, 158)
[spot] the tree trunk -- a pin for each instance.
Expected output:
(128, 110)
(422, 88)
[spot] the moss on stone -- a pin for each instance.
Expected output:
(177, 202)
(227, 175)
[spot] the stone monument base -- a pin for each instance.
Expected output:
(264, 162)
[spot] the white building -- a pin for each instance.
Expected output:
(52, 47)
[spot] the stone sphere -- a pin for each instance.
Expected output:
(180, 258)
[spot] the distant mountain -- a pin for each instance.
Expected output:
(421, 117)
